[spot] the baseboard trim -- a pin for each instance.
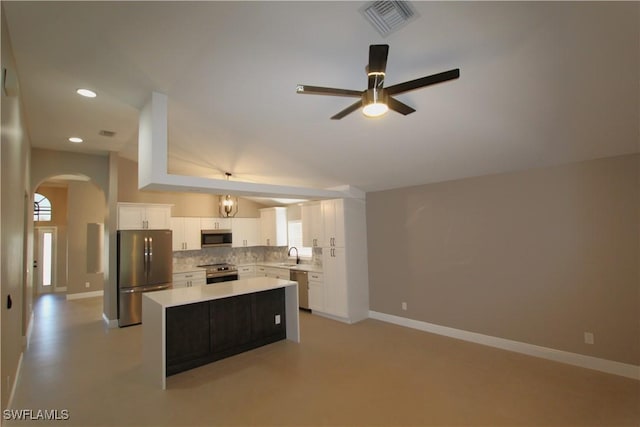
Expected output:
(111, 324)
(82, 295)
(575, 359)
(15, 381)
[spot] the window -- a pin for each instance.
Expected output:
(295, 239)
(41, 208)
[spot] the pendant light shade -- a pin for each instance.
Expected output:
(228, 204)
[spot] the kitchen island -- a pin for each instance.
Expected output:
(188, 327)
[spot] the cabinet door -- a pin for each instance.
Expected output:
(177, 229)
(215, 223)
(158, 217)
(333, 223)
(131, 217)
(268, 318)
(335, 281)
(191, 234)
(316, 295)
(230, 323)
(312, 225)
(267, 227)
(273, 226)
(187, 335)
(246, 232)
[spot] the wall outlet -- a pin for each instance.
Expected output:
(277, 319)
(588, 337)
(404, 306)
(87, 284)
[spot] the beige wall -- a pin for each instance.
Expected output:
(16, 230)
(185, 204)
(86, 205)
(539, 256)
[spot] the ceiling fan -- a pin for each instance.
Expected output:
(376, 99)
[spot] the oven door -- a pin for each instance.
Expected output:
(221, 277)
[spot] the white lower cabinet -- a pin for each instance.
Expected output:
(189, 279)
(246, 271)
(335, 282)
(316, 291)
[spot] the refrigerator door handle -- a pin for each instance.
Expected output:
(150, 250)
(146, 258)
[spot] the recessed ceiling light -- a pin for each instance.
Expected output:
(87, 93)
(75, 139)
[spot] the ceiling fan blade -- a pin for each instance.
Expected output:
(424, 81)
(350, 109)
(398, 106)
(317, 90)
(378, 54)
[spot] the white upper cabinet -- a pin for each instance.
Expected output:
(273, 226)
(139, 216)
(333, 217)
(246, 232)
(215, 223)
(186, 233)
(312, 225)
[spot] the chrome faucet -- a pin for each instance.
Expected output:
(297, 257)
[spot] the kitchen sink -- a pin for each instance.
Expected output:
(286, 264)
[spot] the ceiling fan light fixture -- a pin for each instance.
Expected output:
(375, 109)
(374, 103)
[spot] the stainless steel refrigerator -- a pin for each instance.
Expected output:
(145, 264)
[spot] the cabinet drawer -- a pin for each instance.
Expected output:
(316, 277)
(188, 279)
(190, 275)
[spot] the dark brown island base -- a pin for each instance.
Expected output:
(189, 327)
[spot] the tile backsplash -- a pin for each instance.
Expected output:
(239, 256)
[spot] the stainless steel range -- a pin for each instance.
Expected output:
(223, 272)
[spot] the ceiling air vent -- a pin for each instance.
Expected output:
(388, 16)
(107, 133)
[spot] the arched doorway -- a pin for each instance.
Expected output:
(61, 238)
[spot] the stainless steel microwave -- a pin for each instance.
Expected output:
(215, 238)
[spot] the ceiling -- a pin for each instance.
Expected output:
(541, 84)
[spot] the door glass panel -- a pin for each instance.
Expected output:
(47, 242)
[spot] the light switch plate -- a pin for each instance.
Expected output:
(277, 319)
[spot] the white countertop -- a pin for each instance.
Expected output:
(303, 267)
(182, 296)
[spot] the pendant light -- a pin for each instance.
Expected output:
(228, 204)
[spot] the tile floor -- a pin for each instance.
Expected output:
(367, 374)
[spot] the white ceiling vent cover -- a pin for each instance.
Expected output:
(388, 16)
